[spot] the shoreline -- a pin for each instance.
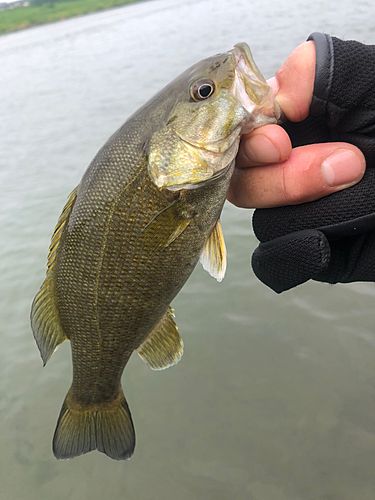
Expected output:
(23, 18)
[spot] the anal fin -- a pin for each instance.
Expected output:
(164, 346)
(214, 254)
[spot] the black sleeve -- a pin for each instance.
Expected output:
(331, 239)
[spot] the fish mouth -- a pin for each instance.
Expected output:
(252, 90)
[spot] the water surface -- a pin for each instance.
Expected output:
(275, 396)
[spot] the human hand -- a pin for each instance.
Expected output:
(269, 172)
(331, 239)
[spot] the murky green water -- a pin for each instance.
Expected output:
(275, 396)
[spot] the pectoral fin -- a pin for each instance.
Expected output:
(163, 347)
(214, 254)
(166, 226)
(45, 322)
(180, 228)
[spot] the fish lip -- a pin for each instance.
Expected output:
(241, 51)
(252, 90)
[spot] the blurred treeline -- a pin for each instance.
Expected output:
(36, 12)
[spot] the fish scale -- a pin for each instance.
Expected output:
(145, 211)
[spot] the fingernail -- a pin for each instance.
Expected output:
(260, 149)
(342, 168)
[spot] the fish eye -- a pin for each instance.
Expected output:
(202, 90)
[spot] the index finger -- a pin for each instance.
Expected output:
(265, 145)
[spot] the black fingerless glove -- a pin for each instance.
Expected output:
(332, 239)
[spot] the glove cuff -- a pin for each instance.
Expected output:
(323, 73)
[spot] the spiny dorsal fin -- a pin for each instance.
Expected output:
(163, 347)
(214, 254)
(45, 321)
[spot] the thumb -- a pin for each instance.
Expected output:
(293, 83)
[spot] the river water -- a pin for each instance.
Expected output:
(275, 396)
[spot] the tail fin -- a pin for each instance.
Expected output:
(106, 427)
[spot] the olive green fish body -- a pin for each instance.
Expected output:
(147, 209)
(115, 278)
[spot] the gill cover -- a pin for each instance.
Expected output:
(174, 162)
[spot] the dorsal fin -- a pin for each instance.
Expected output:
(45, 321)
(163, 347)
(214, 254)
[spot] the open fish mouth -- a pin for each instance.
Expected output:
(251, 88)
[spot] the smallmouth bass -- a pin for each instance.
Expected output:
(146, 210)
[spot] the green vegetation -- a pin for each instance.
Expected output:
(48, 11)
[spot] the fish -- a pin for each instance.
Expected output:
(145, 212)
